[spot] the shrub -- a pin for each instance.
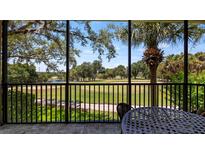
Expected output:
(18, 109)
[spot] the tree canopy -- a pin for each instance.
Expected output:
(22, 73)
(121, 71)
(173, 66)
(45, 42)
(140, 69)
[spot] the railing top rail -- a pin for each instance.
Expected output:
(114, 83)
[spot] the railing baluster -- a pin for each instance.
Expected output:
(99, 102)
(122, 93)
(170, 96)
(157, 87)
(26, 103)
(197, 97)
(139, 95)
(108, 103)
(16, 104)
(51, 101)
(21, 103)
(60, 103)
(113, 95)
(148, 95)
(103, 103)
(144, 94)
(94, 103)
(118, 98)
(36, 103)
(41, 104)
(162, 97)
(135, 95)
(31, 103)
(179, 97)
(46, 104)
(175, 96)
(204, 97)
(85, 103)
(56, 102)
(166, 96)
(75, 102)
(11, 104)
(127, 93)
(89, 101)
(190, 104)
(80, 100)
(69, 102)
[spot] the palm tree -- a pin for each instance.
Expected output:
(151, 35)
(171, 66)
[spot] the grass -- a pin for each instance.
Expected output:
(112, 94)
(86, 94)
(47, 114)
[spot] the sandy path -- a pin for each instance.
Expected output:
(87, 106)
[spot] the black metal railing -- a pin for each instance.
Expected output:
(93, 102)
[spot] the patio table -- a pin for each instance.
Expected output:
(156, 120)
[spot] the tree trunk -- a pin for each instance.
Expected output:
(153, 80)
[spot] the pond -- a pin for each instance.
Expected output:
(56, 81)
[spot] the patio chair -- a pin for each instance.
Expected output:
(123, 108)
(199, 112)
(194, 111)
(203, 114)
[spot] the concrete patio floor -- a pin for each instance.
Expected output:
(93, 128)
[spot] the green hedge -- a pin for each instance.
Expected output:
(192, 93)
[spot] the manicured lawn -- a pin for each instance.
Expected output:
(53, 114)
(86, 95)
(100, 94)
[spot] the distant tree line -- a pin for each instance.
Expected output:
(170, 70)
(26, 73)
(87, 71)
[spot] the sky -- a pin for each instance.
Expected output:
(87, 54)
